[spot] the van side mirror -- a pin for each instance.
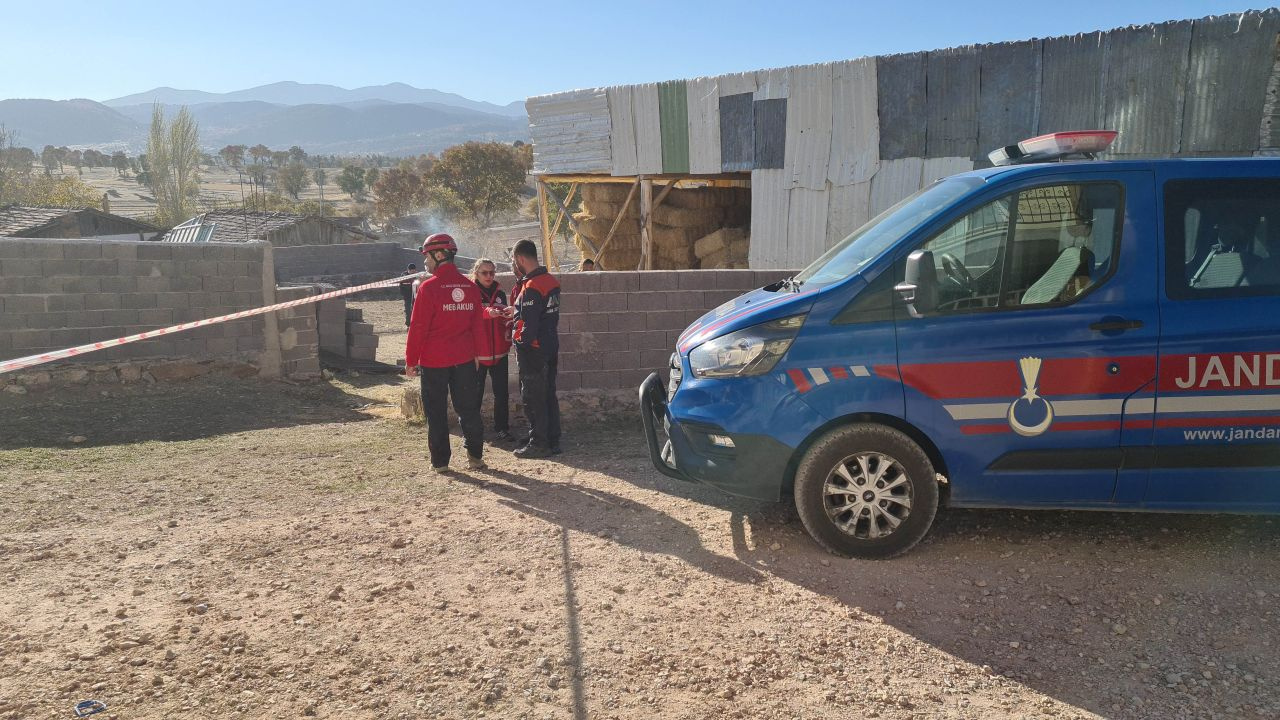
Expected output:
(919, 288)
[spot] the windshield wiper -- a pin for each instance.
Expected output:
(792, 284)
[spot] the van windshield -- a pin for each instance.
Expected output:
(883, 231)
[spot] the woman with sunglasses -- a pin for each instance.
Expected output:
(494, 345)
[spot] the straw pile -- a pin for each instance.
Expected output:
(683, 218)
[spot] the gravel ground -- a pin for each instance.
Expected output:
(221, 549)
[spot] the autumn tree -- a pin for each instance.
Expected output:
(351, 181)
(293, 178)
(260, 153)
(233, 155)
(398, 192)
(477, 180)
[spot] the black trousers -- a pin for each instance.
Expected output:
(501, 400)
(437, 385)
(408, 306)
(538, 393)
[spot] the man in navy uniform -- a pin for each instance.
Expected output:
(537, 341)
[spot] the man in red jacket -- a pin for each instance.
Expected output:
(447, 318)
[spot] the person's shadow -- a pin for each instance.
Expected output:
(604, 514)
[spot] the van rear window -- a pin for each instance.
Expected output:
(1222, 238)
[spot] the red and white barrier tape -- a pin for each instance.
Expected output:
(48, 357)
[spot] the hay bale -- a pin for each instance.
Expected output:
(718, 241)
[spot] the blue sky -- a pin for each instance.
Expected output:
(497, 51)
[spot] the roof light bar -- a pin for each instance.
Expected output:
(1054, 146)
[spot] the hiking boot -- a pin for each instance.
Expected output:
(442, 469)
(475, 463)
(532, 452)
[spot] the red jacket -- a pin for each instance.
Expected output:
(494, 342)
(447, 318)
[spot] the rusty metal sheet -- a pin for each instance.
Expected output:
(704, 126)
(770, 133)
(623, 131)
(895, 180)
(1231, 62)
(737, 132)
(952, 103)
(848, 209)
(806, 226)
(644, 110)
(1071, 92)
(1144, 87)
(1008, 95)
(901, 99)
(808, 140)
(673, 114)
(770, 205)
(855, 129)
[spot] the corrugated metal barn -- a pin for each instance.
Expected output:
(801, 156)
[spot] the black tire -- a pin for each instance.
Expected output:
(843, 523)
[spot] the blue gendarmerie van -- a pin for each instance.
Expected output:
(1046, 333)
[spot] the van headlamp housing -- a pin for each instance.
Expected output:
(750, 351)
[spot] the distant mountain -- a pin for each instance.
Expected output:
(67, 122)
(366, 126)
(293, 93)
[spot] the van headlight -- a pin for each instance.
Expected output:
(751, 351)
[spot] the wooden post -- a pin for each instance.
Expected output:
(542, 216)
(646, 224)
(616, 222)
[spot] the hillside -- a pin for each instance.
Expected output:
(362, 126)
(294, 93)
(67, 122)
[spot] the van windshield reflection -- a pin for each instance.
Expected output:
(882, 232)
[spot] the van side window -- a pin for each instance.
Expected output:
(1222, 238)
(969, 258)
(1041, 246)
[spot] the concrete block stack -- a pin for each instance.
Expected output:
(299, 338)
(331, 322)
(679, 222)
(362, 342)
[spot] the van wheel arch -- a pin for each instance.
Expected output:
(906, 428)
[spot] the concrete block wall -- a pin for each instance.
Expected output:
(617, 327)
(344, 265)
(299, 333)
(61, 293)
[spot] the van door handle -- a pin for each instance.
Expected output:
(1116, 325)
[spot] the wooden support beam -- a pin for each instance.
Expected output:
(719, 180)
(646, 224)
(560, 214)
(663, 195)
(626, 205)
(572, 222)
(542, 216)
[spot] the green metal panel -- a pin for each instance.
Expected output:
(673, 116)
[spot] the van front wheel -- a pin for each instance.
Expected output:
(866, 491)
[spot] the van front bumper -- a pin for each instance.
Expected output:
(755, 467)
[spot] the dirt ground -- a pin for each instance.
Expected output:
(264, 550)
